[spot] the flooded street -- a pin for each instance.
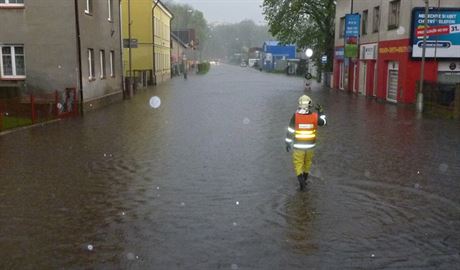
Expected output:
(204, 182)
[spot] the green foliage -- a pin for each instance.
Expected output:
(226, 40)
(307, 23)
(203, 67)
(9, 122)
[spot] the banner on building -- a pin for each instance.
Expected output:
(352, 26)
(442, 33)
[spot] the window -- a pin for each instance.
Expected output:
(112, 64)
(376, 22)
(12, 64)
(393, 17)
(365, 15)
(89, 7)
(91, 73)
(110, 5)
(102, 62)
(342, 27)
(14, 3)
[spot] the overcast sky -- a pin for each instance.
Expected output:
(228, 11)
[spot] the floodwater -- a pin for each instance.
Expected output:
(203, 181)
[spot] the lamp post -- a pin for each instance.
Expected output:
(419, 102)
(308, 76)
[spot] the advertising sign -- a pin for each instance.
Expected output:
(442, 33)
(352, 26)
(339, 53)
(369, 51)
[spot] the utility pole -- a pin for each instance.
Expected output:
(419, 103)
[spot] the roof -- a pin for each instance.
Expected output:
(176, 38)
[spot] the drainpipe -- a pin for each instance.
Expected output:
(419, 103)
(153, 43)
(80, 75)
(170, 44)
(130, 52)
(120, 21)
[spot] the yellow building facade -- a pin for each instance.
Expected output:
(149, 29)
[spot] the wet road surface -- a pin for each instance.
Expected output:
(204, 182)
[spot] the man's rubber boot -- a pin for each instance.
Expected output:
(301, 182)
(305, 178)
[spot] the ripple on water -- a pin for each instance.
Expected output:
(407, 225)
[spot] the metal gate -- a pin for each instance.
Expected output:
(392, 81)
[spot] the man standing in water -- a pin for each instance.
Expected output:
(301, 136)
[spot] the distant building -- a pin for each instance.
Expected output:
(178, 55)
(274, 54)
(41, 50)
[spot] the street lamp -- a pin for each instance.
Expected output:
(308, 53)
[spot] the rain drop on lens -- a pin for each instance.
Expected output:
(237, 203)
(130, 256)
(155, 102)
(90, 247)
(234, 266)
(443, 167)
(246, 121)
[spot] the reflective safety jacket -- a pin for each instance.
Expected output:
(302, 129)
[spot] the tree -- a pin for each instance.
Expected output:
(185, 17)
(226, 40)
(307, 23)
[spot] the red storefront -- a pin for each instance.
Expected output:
(392, 76)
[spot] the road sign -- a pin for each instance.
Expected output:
(324, 59)
(133, 43)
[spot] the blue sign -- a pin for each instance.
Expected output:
(324, 59)
(351, 35)
(442, 33)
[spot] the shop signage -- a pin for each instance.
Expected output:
(339, 53)
(400, 49)
(449, 66)
(442, 33)
(368, 51)
(352, 26)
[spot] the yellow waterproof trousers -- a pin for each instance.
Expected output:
(302, 161)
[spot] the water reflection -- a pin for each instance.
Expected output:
(299, 218)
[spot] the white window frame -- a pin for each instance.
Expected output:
(8, 4)
(91, 72)
(89, 7)
(102, 64)
(13, 62)
(112, 64)
(110, 6)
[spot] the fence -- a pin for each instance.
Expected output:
(441, 99)
(31, 109)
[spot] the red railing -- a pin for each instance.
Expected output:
(31, 109)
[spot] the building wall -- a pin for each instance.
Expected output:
(162, 42)
(393, 46)
(49, 39)
(141, 29)
(100, 34)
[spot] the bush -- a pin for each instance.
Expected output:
(203, 68)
